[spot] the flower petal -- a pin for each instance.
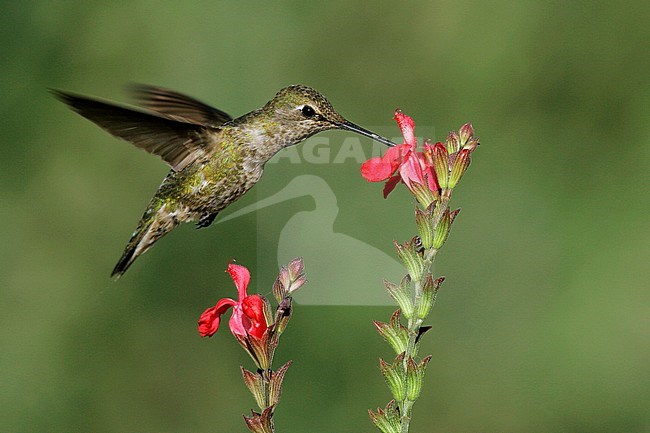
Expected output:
(411, 171)
(376, 170)
(211, 317)
(380, 169)
(254, 319)
(428, 172)
(407, 126)
(241, 277)
(390, 185)
(235, 323)
(208, 322)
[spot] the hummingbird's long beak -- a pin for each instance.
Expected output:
(349, 126)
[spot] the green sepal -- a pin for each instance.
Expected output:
(466, 133)
(268, 314)
(424, 221)
(290, 278)
(386, 420)
(395, 334)
(459, 167)
(275, 389)
(255, 384)
(429, 294)
(260, 422)
(279, 291)
(394, 375)
(441, 164)
(452, 216)
(260, 349)
(415, 377)
(411, 259)
(297, 273)
(442, 230)
(423, 194)
(452, 142)
(401, 294)
(283, 315)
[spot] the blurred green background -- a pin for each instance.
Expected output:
(542, 325)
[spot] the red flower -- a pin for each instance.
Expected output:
(412, 166)
(248, 311)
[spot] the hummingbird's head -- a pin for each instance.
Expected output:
(306, 111)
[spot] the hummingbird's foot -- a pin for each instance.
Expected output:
(206, 220)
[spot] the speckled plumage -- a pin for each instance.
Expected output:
(215, 159)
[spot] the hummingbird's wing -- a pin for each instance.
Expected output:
(177, 143)
(178, 106)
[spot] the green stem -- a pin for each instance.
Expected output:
(267, 387)
(413, 329)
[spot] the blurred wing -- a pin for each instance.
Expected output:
(177, 143)
(178, 106)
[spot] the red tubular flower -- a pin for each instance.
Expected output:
(248, 311)
(402, 162)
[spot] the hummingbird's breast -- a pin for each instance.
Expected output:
(209, 185)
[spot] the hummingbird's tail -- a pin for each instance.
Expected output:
(148, 232)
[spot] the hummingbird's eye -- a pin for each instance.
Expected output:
(307, 111)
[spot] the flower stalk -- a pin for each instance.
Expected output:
(431, 176)
(257, 330)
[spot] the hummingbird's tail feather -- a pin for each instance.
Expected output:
(148, 232)
(124, 263)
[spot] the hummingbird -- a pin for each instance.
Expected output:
(214, 158)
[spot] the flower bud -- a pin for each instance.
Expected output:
(466, 133)
(452, 142)
(441, 164)
(290, 279)
(284, 277)
(297, 274)
(461, 162)
(472, 144)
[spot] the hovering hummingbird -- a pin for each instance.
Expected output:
(214, 158)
